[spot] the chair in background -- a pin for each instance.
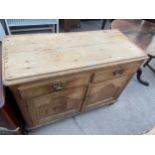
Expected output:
(29, 25)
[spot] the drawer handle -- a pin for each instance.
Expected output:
(59, 86)
(118, 72)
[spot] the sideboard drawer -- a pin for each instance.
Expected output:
(56, 105)
(44, 87)
(116, 71)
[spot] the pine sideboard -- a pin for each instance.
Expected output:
(53, 76)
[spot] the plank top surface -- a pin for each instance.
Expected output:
(33, 56)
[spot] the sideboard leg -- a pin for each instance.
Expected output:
(139, 73)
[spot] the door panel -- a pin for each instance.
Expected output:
(56, 105)
(103, 92)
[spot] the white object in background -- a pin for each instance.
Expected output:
(2, 32)
(31, 22)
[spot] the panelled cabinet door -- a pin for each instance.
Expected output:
(55, 105)
(104, 92)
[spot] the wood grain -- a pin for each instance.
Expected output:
(34, 89)
(116, 71)
(60, 75)
(51, 106)
(28, 57)
(103, 92)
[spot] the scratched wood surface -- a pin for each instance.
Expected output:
(27, 57)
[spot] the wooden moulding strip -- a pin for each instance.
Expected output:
(15, 81)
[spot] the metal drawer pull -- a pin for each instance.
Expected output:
(59, 86)
(118, 72)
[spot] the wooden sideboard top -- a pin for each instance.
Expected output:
(30, 57)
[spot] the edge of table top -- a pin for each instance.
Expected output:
(64, 72)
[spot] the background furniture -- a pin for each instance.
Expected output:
(10, 121)
(150, 20)
(2, 33)
(22, 25)
(9, 124)
(70, 23)
(147, 63)
(142, 33)
(104, 22)
(76, 75)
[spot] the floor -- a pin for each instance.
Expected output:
(133, 113)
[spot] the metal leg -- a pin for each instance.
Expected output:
(57, 26)
(151, 68)
(148, 60)
(103, 23)
(148, 65)
(139, 73)
(8, 28)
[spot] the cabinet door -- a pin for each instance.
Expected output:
(47, 108)
(104, 92)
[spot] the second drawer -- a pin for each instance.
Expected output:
(115, 71)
